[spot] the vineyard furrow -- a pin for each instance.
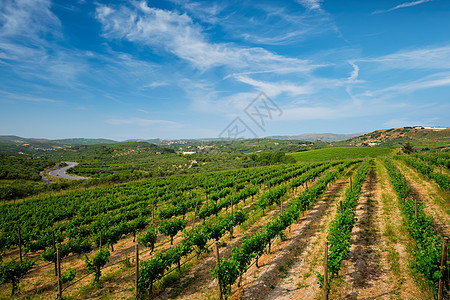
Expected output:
(279, 275)
(197, 288)
(365, 274)
(434, 203)
(224, 252)
(398, 242)
(310, 262)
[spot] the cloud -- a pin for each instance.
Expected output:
(144, 122)
(25, 26)
(177, 34)
(425, 58)
(403, 5)
(311, 4)
(16, 97)
(355, 72)
(403, 122)
(29, 18)
(432, 81)
(157, 84)
(274, 89)
(208, 13)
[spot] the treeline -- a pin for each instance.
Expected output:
(22, 168)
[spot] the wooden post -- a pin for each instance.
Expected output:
(216, 247)
(101, 238)
(195, 215)
(20, 246)
(443, 265)
(58, 263)
(325, 277)
(351, 188)
(136, 282)
(341, 207)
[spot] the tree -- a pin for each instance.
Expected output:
(408, 148)
(171, 227)
(148, 239)
(150, 271)
(97, 262)
(12, 271)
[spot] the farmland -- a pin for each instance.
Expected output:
(339, 153)
(383, 219)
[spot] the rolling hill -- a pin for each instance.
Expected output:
(325, 137)
(421, 137)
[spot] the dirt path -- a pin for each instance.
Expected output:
(396, 244)
(435, 204)
(280, 271)
(198, 283)
(366, 273)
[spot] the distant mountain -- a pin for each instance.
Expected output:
(82, 141)
(13, 139)
(419, 136)
(311, 137)
(16, 144)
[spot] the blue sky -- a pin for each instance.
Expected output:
(186, 69)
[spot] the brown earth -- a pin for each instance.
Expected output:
(279, 273)
(435, 201)
(366, 273)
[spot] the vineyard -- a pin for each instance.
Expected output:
(342, 228)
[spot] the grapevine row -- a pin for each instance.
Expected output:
(427, 251)
(253, 246)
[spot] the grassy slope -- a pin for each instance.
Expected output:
(339, 153)
(420, 137)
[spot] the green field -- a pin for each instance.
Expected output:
(339, 153)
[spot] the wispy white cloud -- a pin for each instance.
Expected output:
(428, 82)
(402, 122)
(403, 5)
(208, 13)
(28, 18)
(143, 122)
(354, 74)
(342, 110)
(311, 4)
(274, 89)
(424, 58)
(13, 97)
(157, 84)
(178, 34)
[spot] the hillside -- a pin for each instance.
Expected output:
(311, 137)
(423, 138)
(16, 144)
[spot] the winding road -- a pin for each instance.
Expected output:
(61, 172)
